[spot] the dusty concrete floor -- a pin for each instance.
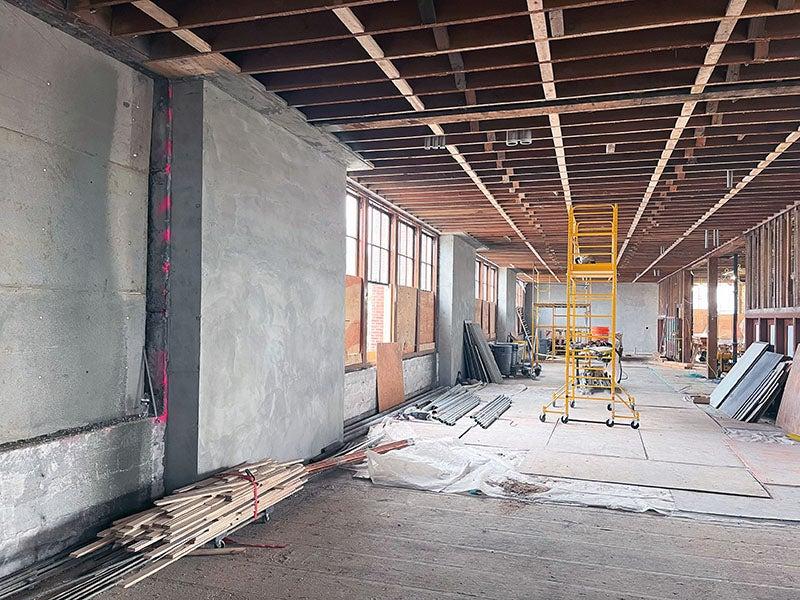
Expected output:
(348, 539)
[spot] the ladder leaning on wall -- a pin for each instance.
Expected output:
(591, 359)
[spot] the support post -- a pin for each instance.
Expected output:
(687, 316)
(712, 344)
(735, 327)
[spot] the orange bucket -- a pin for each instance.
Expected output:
(600, 333)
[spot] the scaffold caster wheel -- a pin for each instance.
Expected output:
(634, 424)
(608, 406)
(543, 417)
(565, 419)
(610, 422)
(218, 543)
(572, 404)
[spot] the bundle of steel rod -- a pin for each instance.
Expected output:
(453, 405)
(358, 428)
(140, 545)
(492, 411)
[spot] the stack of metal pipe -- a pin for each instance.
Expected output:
(453, 405)
(492, 411)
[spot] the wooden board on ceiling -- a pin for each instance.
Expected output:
(789, 410)
(353, 297)
(406, 322)
(427, 321)
(389, 367)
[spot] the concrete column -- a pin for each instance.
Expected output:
(456, 303)
(506, 303)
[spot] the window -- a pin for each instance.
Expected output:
(352, 218)
(477, 280)
(378, 246)
(426, 263)
(390, 288)
(486, 296)
(406, 243)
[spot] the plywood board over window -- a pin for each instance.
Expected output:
(353, 287)
(426, 331)
(389, 367)
(406, 321)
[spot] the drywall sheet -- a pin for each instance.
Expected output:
(789, 411)
(649, 473)
(739, 370)
(427, 309)
(406, 322)
(752, 383)
(390, 375)
(353, 296)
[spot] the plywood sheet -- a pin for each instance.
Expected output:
(427, 320)
(485, 325)
(353, 296)
(389, 367)
(406, 322)
(752, 383)
(478, 310)
(739, 370)
(789, 410)
(588, 438)
(776, 464)
(649, 473)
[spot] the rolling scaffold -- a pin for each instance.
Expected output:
(592, 355)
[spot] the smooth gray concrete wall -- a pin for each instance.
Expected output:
(455, 303)
(637, 313)
(59, 491)
(360, 387)
(272, 293)
(506, 303)
(74, 147)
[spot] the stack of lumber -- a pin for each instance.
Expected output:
(140, 545)
(478, 357)
(751, 389)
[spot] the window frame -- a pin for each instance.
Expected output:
(368, 249)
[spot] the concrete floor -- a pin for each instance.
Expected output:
(348, 539)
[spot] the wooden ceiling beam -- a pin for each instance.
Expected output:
(752, 174)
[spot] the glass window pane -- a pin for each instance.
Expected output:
(352, 256)
(352, 216)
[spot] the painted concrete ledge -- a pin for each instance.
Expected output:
(60, 490)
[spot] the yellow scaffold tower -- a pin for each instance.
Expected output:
(591, 359)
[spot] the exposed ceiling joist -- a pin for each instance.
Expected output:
(713, 54)
(743, 183)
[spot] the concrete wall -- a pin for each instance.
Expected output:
(74, 147)
(58, 491)
(257, 318)
(360, 387)
(455, 303)
(272, 321)
(74, 158)
(637, 313)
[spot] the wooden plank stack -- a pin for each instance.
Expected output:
(185, 520)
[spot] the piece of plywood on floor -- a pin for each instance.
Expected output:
(591, 438)
(693, 447)
(512, 434)
(389, 370)
(775, 464)
(649, 473)
(789, 410)
(782, 506)
(670, 419)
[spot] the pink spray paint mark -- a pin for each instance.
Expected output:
(166, 204)
(165, 267)
(162, 364)
(167, 235)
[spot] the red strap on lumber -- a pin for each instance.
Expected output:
(354, 457)
(247, 476)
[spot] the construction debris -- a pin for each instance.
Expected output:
(354, 457)
(492, 411)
